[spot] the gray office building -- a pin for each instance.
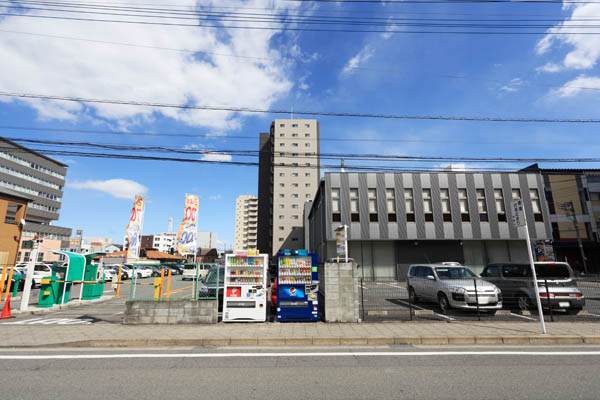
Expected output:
(40, 178)
(397, 219)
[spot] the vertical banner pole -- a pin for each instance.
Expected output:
(535, 283)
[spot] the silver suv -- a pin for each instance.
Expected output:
(452, 286)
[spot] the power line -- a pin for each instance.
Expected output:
(288, 28)
(520, 83)
(301, 112)
(255, 137)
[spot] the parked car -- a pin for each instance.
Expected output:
(155, 270)
(110, 275)
(143, 271)
(178, 269)
(515, 280)
(40, 271)
(208, 288)
(452, 286)
(125, 272)
(189, 271)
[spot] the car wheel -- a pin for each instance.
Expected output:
(412, 295)
(492, 312)
(32, 284)
(444, 303)
(573, 311)
(523, 302)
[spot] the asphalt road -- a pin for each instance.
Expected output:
(384, 373)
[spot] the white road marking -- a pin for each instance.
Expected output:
(523, 316)
(312, 354)
(421, 308)
(595, 315)
(51, 321)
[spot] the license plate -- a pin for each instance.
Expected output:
(564, 304)
(484, 300)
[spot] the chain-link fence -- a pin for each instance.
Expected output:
(479, 299)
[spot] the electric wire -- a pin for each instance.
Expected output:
(301, 112)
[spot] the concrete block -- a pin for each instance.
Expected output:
(488, 340)
(298, 341)
(380, 340)
(215, 341)
(434, 340)
(542, 340)
(352, 341)
(407, 340)
(591, 339)
(515, 340)
(423, 312)
(461, 340)
(571, 339)
(271, 341)
(322, 341)
(243, 341)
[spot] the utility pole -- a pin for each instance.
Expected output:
(570, 210)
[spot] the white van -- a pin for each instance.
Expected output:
(189, 271)
(40, 271)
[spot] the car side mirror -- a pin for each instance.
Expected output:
(431, 277)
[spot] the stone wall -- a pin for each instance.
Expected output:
(140, 312)
(338, 288)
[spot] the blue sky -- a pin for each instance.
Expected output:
(504, 75)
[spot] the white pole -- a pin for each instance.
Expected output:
(62, 301)
(346, 242)
(535, 283)
(82, 276)
(29, 276)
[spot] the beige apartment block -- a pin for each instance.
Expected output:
(246, 222)
(290, 168)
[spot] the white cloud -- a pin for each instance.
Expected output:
(216, 157)
(363, 55)
(585, 49)
(215, 197)
(512, 86)
(549, 67)
(33, 64)
(576, 85)
(119, 188)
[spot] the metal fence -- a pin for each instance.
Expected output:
(166, 282)
(474, 299)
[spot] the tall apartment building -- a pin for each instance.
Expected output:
(39, 178)
(573, 197)
(288, 176)
(246, 222)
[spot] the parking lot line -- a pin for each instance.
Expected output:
(421, 308)
(523, 316)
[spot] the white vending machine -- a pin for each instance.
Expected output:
(245, 290)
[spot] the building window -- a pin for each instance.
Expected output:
(282, 185)
(336, 215)
(372, 197)
(307, 185)
(294, 185)
(295, 195)
(294, 125)
(410, 205)
(307, 164)
(40, 257)
(281, 195)
(282, 135)
(281, 239)
(500, 207)
(294, 205)
(482, 205)
(536, 205)
(11, 213)
(281, 217)
(294, 174)
(306, 144)
(281, 206)
(307, 174)
(445, 197)
(463, 202)
(427, 206)
(27, 253)
(282, 125)
(354, 212)
(307, 135)
(294, 217)
(516, 194)
(294, 154)
(281, 174)
(390, 199)
(555, 231)
(281, 228)
(294, 135)
(294, 144)
(308, 196)
(307, 126)
(595, 196)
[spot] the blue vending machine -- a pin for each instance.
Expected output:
(297, 286)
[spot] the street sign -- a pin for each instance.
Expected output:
(518, 215)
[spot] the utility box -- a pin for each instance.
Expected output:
(51, 291)
(93, 273)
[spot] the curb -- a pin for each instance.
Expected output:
(325, 341)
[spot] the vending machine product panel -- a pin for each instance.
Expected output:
(297, 287)
(245, 294)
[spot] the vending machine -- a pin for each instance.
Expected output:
(245, 287)
(297, 286)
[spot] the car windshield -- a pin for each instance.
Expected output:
(211, 277)
(454, 273)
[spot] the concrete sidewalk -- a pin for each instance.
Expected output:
(20, 334)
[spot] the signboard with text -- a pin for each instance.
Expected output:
(518, 213)
(188, 230)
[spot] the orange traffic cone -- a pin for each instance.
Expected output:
(6, 310)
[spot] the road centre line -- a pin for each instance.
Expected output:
(312, 354)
